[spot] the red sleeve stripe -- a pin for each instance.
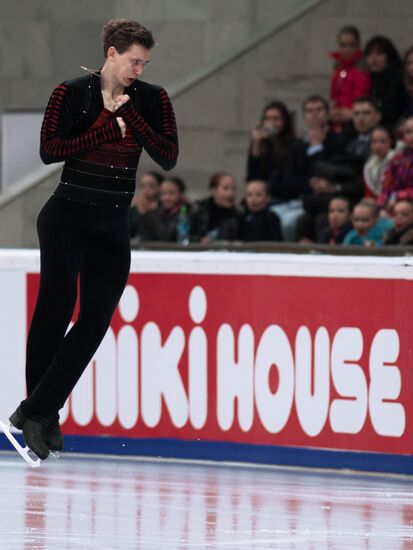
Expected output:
(55, 141)
(163, 144)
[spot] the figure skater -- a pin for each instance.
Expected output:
(98, 124)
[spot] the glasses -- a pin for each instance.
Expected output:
(139, 63)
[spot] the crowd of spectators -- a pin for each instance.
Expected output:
(348, 180)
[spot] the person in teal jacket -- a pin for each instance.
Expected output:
(368, 228)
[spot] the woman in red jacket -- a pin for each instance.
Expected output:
(348, 81)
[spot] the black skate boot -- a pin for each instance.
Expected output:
(34, 432)
(54, 436)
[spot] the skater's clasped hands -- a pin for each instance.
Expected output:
(121, 100)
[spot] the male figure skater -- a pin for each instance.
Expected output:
(98, 124)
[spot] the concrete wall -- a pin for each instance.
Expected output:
(216, 116)
(18, 218)
(42, 42)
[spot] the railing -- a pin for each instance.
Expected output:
(275, 247)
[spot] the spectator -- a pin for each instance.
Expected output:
(329, 180)
(402, 233)
(339, 221)
(408, 81)
(366, 117)
(259, 223)
(343, 175)
(161, 224)
(147, 199)
(348, 81)
(270, 144)
(368, 230)
(386, 73)
(318, 144)
(398, 177)
(217, 217)
(383, 147)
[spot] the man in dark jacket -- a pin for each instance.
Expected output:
(319, 144)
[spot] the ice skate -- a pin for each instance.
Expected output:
(23, 451)
(34, 434)
(54, 436)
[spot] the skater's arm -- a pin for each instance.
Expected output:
(56, 144)
(158, 135)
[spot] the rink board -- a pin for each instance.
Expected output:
(274, 359)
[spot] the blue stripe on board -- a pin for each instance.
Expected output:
(237, 452)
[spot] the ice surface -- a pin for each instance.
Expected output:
(82, 503)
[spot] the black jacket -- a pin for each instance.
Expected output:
(261, 226)
(300, 166)
(403, 236)
(387, 88)
(208, 219)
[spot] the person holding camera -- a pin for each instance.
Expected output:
(271, 142)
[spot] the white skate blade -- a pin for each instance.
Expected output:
(23, 451)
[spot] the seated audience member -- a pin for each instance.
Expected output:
(408, 82)
(270, 143)
(402, 233)
(368, 228)
(259, 223)
(383, 147)
(348, 81)
(318, 144)
(366, 117)
(339, 221)
(398, 177)
(386, 73)
(341, 175)
(146, 199)
(330, 179)
(161, 224)
(217, 217)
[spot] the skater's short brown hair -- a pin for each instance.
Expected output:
(122, 34)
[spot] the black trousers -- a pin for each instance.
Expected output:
(77, 242)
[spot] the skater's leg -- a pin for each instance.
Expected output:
(62, 239)
(63, 234)
(103, 277)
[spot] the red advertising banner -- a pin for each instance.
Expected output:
(319, 362)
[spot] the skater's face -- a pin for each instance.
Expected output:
(380, 142)
(363, 219)
(338, 213)
(225, 193)
(403, 214)
(149, 187)
(170, 194)
(126, 67)
(257, 196)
